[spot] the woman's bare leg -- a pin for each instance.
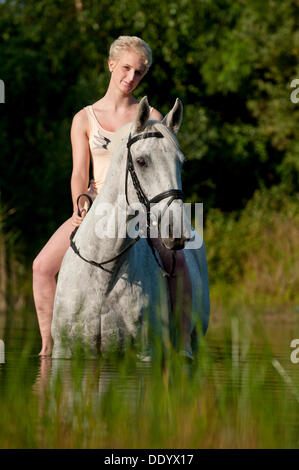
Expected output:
(45, 267)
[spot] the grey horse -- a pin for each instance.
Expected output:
(110, 278)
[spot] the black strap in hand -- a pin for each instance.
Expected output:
(89, 200)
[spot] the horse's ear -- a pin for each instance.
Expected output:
(173, 119)
(142, 116)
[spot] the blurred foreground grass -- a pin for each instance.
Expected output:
(242, 391)
(235, 395)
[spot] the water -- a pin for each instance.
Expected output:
(244, 389)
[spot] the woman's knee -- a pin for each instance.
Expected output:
(49, 260)
(41, 267)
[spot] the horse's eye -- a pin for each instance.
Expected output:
(141, 161)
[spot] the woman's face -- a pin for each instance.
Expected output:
(127, 71)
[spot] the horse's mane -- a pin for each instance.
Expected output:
(122, 134)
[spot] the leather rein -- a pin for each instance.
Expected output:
(171, 193)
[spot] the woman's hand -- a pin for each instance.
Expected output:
(92, 190)
(85, 204)
(76, 219)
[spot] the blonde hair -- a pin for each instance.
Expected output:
(123, 43)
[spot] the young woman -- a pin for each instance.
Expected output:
(92, 128)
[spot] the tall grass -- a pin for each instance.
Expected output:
(254, 256)
(230, 397)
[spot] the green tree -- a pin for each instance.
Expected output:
(231, 63)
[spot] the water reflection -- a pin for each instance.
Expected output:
(91, 377)
(80, 403)
(73, 380)
(99, 375)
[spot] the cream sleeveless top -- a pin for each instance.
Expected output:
(99, 139)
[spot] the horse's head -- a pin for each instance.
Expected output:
(154, 173)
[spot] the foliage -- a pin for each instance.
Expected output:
(231, 63)
(15, 282)
(256, 251)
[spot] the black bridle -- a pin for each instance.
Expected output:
(172, 193)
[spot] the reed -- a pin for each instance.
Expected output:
(232, 396)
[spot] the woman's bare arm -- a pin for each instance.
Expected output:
(81, 157)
